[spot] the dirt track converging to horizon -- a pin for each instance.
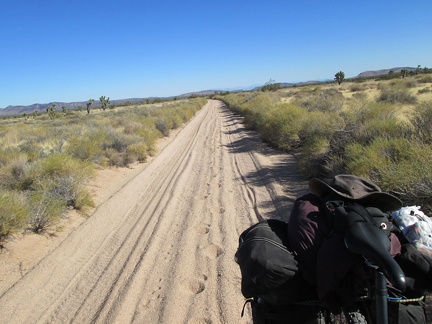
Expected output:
(161, 249)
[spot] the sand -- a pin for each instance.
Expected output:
(159, 247)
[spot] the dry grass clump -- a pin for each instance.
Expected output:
(398, 93)
(328, 100)
(356, 87)
(424, 90)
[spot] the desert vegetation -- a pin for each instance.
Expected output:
(46, 159)
(375, 128)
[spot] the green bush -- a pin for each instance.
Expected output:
(313, 156)
(422, 123)
(163, 126)
(328, 100)
(45, 211)
(14, 174)
(318, 125)
(62, 177)
(424, 90)
(358, 87)
(400, 166)
(117, 140)
(280, 124)
(138, 152)
(409, 83)
(14, 212)
(115, 158)
(397, 96)
(367, 120)
(359, 96)
(86, 147)
(367, 160)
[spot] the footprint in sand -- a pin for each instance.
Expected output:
(195, 286)
(212, 251)
(203, 229)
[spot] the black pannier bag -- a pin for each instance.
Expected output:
(268, 268)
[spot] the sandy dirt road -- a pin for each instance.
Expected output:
(161, 248)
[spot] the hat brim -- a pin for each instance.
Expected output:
(381, 200)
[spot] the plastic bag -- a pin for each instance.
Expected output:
(416, 227)
(414, 224)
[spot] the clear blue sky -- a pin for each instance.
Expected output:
(76, 50)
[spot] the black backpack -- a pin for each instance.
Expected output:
(268, 267)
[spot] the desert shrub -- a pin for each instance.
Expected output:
(63, 177)
(424, 90)
(422, 122)
(255, 110)
(32, 149)
(399, 166)
(163, 126)
(176, 120)
(397, 95)
(10, 137)
(144, 131)
(114, 158)
(353, 129)
(411, 180)
(318, 129)
(236, 101)
(187, 111)
(358, 87)
(132, 127)
(14, 174)
(360, 96)
(138, 152)
(329, 100)
(86, 147)
(425, 79)
(13, 212)
(368, 160)
(318, 125)
(409, 83)
(280, 125)
(116, 140)
(312, 157)
(367, 120)
(45, 211)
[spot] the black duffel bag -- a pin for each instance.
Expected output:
(268, 268)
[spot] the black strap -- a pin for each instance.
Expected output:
(250, 300)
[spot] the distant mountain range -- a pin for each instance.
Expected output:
(19, 110)
(367, 74)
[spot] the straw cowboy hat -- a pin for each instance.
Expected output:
(355, 189)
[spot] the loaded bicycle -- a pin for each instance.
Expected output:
(339, 258)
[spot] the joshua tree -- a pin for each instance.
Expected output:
(104, 101)
(88, 104)
(51, 111)
(339, 77)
